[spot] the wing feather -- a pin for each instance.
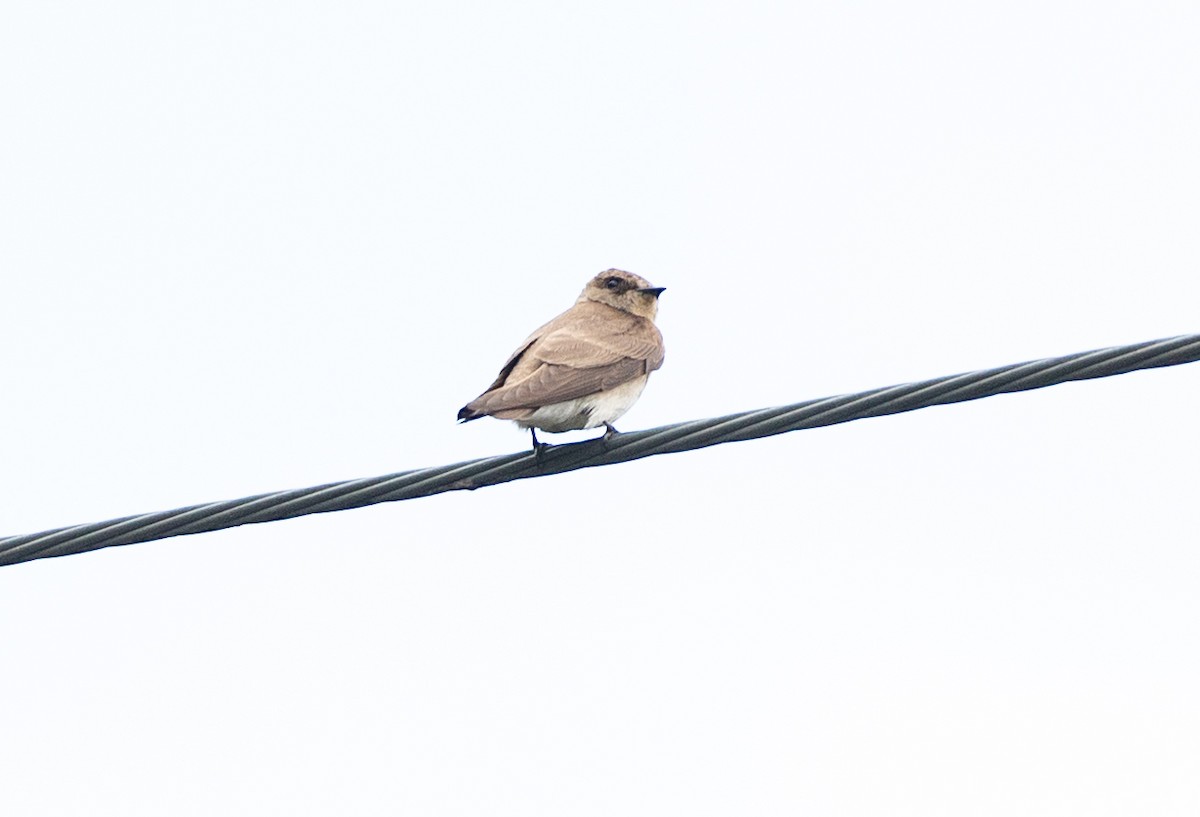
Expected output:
(589, 348)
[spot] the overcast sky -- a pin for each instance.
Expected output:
(249, 246)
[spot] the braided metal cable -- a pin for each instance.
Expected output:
(633, 445)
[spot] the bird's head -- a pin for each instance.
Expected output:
(625, 291)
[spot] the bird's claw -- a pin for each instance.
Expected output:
(539, 447)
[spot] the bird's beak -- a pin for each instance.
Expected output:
(655, 291)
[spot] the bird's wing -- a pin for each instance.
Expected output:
(587, 349)
(554, 384)
(515, 357)
(509, 365)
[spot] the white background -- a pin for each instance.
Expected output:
(254, 246)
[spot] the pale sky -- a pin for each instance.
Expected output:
(253, 246)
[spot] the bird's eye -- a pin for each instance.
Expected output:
(613, 283)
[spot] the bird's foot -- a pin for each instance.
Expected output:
(539, 447)
(609, 430)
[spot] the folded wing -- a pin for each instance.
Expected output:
(590, 348)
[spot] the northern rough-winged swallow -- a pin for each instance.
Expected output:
(585, 368)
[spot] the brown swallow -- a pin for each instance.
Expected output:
(585, 368)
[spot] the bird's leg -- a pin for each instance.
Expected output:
(538, 447)
(610, 431)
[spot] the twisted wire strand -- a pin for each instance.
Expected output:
(685, 436)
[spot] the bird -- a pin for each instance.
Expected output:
(583, 369)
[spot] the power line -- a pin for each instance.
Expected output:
(747, 425)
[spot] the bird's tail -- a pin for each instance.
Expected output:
(466, 414)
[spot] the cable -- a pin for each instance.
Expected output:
(749, 425)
